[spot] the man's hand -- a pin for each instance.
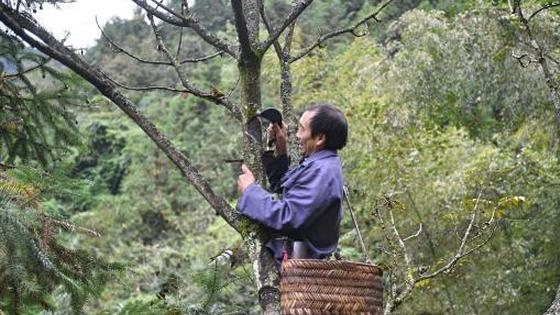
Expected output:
(245, 179)
(280, 134)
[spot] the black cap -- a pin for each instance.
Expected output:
(273, 115)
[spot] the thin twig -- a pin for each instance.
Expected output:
(270, 30)
(188, 21)
(350, 29)
(546, 7)
(153, 62)
(215, 96)
(403, 248)
(461, 251)
(415, 234)
(147, 88)
(9, 76)
(292, 16)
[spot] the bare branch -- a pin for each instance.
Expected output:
(216, 96)
(553, 59)
(188, 21)
(297, 10)
(457, 258)
(242, 31)
(521, 58)
(540, 56)
(32, 33)
(415, 234)
(270, 30)
(148, 87)
(460, 252)
(396, 297)
(546, 7)
(180, 43)
(402, 245)
(288, 38)
(153, 62)
(350, 29)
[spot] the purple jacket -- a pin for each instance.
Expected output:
(310, 206)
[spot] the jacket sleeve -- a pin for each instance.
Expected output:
(275, 168)
(302, 202)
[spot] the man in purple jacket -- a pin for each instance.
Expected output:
(309, 209)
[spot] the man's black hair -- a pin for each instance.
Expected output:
(329, 121)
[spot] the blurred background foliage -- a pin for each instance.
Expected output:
(440, 115)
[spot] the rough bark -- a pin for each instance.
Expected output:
(249, 65)
(248, 55)
(554, 309)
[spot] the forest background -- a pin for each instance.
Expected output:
(453, 133)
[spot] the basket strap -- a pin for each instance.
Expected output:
(285, 250)
(355, 222)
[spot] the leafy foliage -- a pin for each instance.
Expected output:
(33, 262)
(444, 123)
(35, 99)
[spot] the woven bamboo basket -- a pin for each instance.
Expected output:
(313, 287)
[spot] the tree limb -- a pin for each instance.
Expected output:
(546, 7)
(297, 10)
(153, 62)
(398, 297)
(553, 88)
(216, 96)
(270, 30)
(350, 29)
(286, 89)
(415, 234)
(146, 88)
(24, 26)
(188, 21)
(242, 31)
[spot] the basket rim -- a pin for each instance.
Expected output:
(322, 261)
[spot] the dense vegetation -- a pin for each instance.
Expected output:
(446, 120)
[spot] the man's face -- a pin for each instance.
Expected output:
(308, 144)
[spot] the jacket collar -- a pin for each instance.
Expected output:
(319, 155)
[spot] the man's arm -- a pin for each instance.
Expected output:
(275, 167)
(301, 203)
(276, 162)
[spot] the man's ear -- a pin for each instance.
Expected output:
(321, 140)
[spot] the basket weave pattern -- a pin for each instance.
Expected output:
(310, 287)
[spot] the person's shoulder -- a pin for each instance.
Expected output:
(327, 164)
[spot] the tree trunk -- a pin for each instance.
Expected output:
(249, 65)
(554, 309)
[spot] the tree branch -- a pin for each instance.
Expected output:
(24, 26)
(216, 96)
(153, 62)
(546, 7)
(414, 235)
(283, 55)
(188, 21)
(411, 281)
(270, 30)
(297, 10)
(350, 29)
(553, 88)
(13, 75)
(242, 31)
(146, 88)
